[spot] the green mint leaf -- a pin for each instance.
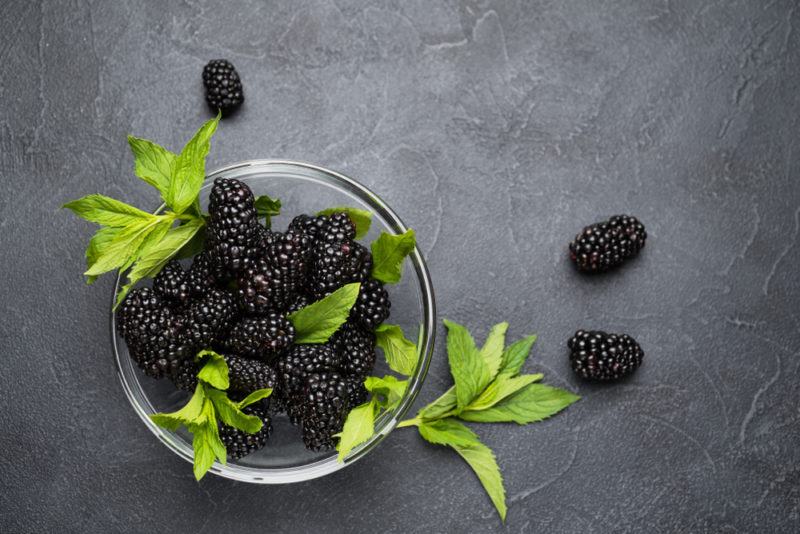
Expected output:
(482, 460)
(206, 442)
(401, 354)
(190, 169)
(107, 211)
(362, 219)
(267, 207)
(189, 414)
(501, 388)
(358, 428)
(492, 350)
(123, 248)
(152, 163)
(515, 355)
(447, 432)
(533, 403)
(318, 321)
(388, 253)
(444, 405)
(254, 397)
(469, 370)
(387, 391)
(230, 413)
(195, 245)
(97, 247)
(215, 371)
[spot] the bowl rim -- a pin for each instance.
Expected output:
(383, 426)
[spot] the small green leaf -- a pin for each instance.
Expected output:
(267, 207)
(190, 168)
(469, 370)
(401, 354)
(97, 246)
(515, 355)
(448, 432)
(189, 414)
(389, 389)
(362, 219)
(533, 403)
(444, 405)
(152, 163)
(206, 442)
(214, 371)
(318, 321)
(501, 388)
(388, 253)
(254, 397)
(492, 350)
(358, 428)
(230, 413)
(482, 460)
(107, 211)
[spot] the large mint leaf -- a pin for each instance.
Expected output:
(190, 169)
(388, 253)
(358, 428)
(467, 366)
(107, 211)
(492, 350)
(318, 321)
(533, 403)
(401, 354)
(214, 371)
(515, 355)
(153, 163)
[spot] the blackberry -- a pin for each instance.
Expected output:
(297, 364)
(261, 288)
(261, 336)
(331, 268)
(325, 405)
(288, 255)
(209, 318)
(372, 306)
(310, 226)
(356, 392)
(337, 229)
(203, 274)
(359, 264)
(247, 375)
(223, 86)
(607, 244)
(151, 331)
(597, 355)
(356, 348)
(233, 228)
(299, 302)
(170, 284)
(185, 377)
(239, 443)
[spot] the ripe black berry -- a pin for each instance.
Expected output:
(203, 274)
(356, 348)
(288, 255)
(247, 375)
(297, 364)
(607, 244)
(239, 443)
(356, 391)
(372, 306)
(262, 337)
(233, 228)
(262, 288)
(596, 355)
(325, 405)
(209, 318)
(223, 86)
(170, 284)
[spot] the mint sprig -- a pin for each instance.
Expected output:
(130, 238)
(488, 389)
(208, 406)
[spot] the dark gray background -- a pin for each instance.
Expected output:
(496, 129)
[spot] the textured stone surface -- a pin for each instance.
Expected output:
(496, 129)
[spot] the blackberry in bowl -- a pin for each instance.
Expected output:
(235, 298)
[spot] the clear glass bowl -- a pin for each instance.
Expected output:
(302, 188)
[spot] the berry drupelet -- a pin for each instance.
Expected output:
(223, 86)
(597, 355)
(607, 244)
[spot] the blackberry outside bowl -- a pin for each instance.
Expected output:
(302, 188)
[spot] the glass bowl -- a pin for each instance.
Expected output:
(302, 188)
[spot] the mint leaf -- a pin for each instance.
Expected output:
(318, 321)
(442, 406)
(448, 432)
(515, 355)
(362, 219)
(267, 207)
(124, 247)
(107, 211)
(389, 389)
(189, 414)
(214, 371)
(152, 163)
(492, 350)
(388, 253)
(194, 246)
(254, 397)
(533, 403)
(206, 442)
(190, 168)
(501, 388)
(230, 413)
(481, 459)
(358, 428)
(401, 354)
(97, 247)
(469, 370)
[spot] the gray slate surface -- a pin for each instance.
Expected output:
(496, 129)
